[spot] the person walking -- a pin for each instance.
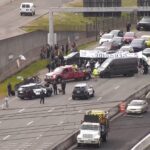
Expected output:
(128, 26)
(9, 89)
(42, 97)
(63, 87)
(55, 87)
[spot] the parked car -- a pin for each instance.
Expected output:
(143, 24)
(118, 66)
(27, 9)
(147, 39)
(146, 52)
(33, 90)
(82, 91)
(137, 106)
(126, 48)
(128, 37)
(118, 42)
(106, 38)
(117, 33)
(138, 44)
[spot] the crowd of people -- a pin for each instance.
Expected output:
(56, 54)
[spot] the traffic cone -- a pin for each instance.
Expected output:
(122, 107)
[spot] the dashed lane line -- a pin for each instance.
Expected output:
(21, 110)
(6, 137)
(29, 123)
(99, 98)
(117, 87)
(51, 109)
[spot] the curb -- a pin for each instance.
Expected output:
(143, 144)
(70, 140)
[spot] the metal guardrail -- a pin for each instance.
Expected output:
(99, 9)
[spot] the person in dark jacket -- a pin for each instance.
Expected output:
(55, 87)
(9, 89)
(42, 97)
(63, 86)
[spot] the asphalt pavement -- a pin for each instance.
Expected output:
(27, 124)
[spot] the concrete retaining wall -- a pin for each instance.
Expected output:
(69, 141)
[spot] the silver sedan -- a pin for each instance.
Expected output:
(137, 106)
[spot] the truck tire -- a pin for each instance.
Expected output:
(59, 79)
(78, 144)
(73, 97)
(87, 77)
(104, 138)
(99, 144)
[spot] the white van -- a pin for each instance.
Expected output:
(27, 9)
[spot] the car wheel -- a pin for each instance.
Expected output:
(20, 14)
(59, 79)
(93, 94)
(87, 77)
(49, 93)
(73, 97)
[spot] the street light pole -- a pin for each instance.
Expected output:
(51, 29)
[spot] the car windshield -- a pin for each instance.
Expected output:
(106, 63)
(107, 36)
(79, 88)
(136, 103)
(58, 70)
(114, 32)
(90, 127)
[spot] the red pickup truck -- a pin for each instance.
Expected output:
(67, 72)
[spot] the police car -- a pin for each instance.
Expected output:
(33, 90)
(82, 91)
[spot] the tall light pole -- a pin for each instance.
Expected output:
(51, 29)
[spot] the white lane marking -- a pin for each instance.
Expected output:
(21, 110)
(79, 111)
(39, 136)
(29, 123)
(117, 87)
(51, 109)
(70, 98)
(99, 98)
(61, 122)
(6, 137)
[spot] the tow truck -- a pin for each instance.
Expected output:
(94, 128)
(67, 72)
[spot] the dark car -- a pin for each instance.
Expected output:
(128, 37)
(82, 91)
(138, 44)
(143, 24)
(33, 90)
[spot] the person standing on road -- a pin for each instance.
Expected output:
(128, 26)
(55, 87)
(42, 97)
(63, 86)
(9, 89)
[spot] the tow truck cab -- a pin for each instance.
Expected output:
(94, 128)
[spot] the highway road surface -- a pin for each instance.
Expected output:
(10, 19)
(29, 125)
(125, 132)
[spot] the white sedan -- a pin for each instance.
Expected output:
(107, 37)
(137, 106)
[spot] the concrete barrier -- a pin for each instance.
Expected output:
(71, 140)
(143, 144)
